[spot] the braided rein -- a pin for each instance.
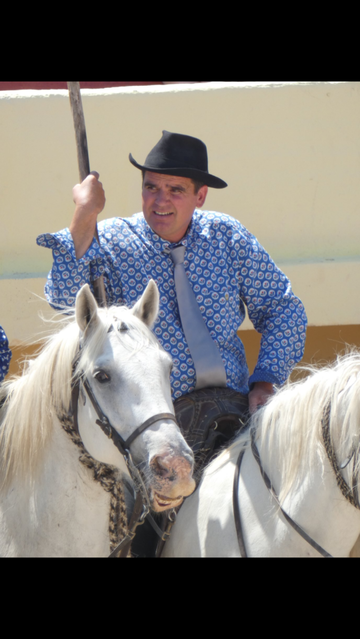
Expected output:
(349, 492)
(108, 477)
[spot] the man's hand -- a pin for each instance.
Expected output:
(89, 198)
(259, 395)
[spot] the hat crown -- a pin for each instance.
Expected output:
(182, 155)
(175, 150)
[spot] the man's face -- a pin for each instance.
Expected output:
(169, 203)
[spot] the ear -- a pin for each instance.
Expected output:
(86, 308)
(201, 196)
(147, 307)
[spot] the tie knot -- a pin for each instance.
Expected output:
(177, 254)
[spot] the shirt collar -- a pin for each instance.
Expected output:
(163, 246)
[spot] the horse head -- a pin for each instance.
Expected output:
(126, 371)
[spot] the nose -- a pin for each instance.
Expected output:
(161, 197)
(174, 474)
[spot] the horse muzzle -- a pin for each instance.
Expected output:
(171, 479)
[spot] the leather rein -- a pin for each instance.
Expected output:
(345, 489)
(142, 505)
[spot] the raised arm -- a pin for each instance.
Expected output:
(77, 257)
(89, 198)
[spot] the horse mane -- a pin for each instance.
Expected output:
(31, 403)
(290, 424)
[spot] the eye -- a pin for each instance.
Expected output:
(102, 377)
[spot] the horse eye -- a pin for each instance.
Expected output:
(102, 377)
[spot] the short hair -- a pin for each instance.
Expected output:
(197, 184)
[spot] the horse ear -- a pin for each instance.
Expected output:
(147, 307)
(86, 308)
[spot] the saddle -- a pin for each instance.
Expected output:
(209, 418)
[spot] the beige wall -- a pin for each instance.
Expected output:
(290, 154)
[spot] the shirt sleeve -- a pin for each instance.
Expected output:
(68, 274)
(275, 312)
(5, 354)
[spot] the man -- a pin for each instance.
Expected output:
(225, 265)
(171, 203)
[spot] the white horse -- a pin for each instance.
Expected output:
(305, 443)
(63, 491)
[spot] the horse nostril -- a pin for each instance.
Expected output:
(161, 467)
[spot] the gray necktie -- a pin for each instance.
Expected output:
(208, 364)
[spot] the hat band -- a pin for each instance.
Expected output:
(190, 172)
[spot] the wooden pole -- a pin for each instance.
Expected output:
(84, 165)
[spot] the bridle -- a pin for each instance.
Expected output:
(351, 494)
(142, 504)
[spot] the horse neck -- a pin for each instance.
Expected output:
(308, 490)
(320, 509)
(63, 512)
(102, 493)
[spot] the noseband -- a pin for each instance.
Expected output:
(122, 445)
(142, 502)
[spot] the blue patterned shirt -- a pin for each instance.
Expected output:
(5, 354)
(227, 268)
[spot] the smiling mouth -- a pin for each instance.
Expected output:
(163, 214)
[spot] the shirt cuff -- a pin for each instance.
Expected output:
(63, 240)
(262, 376)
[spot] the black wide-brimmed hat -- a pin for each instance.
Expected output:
(182, 155)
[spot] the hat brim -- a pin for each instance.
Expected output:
(194, 174)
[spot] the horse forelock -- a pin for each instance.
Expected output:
(133, 334)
